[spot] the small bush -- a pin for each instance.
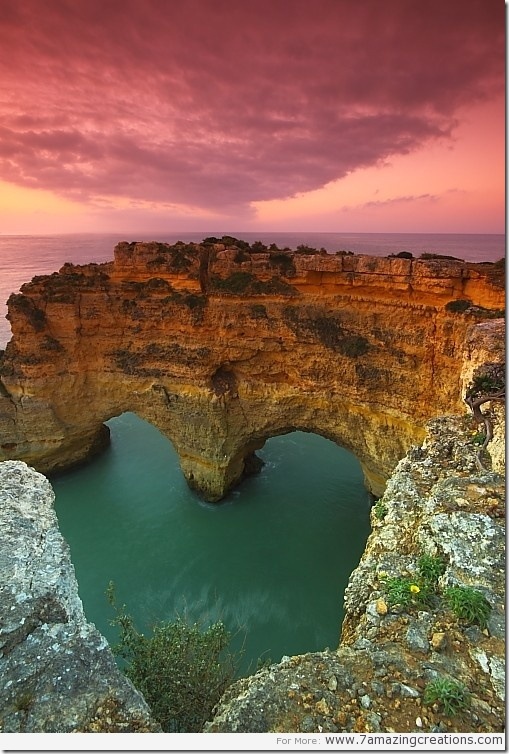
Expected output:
(22, 303)
(432, 255)
(468, 604)
(194, 301)
(452, 696)
(180, 262)
(458, 306)
(487, 380)
(237, 282)
(258, 247)
(380, 509)
(180, 669)
(241, 256)
(478, 438)
(284, 262)
(258, 311)
(402, 255)
(274, 286)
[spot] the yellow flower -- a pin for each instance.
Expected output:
(414, 589)
(382, 574)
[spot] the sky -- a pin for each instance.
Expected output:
(270, 115)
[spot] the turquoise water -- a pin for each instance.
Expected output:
(271, 561)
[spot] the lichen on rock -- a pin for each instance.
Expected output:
(57, 673)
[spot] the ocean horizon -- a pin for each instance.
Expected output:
(24, 256)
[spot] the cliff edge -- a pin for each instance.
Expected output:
(438, 505)
(222, 346)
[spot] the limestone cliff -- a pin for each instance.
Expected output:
(222, 348)
(57, 673)
(436, 504)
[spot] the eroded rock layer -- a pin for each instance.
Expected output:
(222, 348)
(57, 673)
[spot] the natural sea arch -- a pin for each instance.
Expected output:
(361, 350)
(272, 560)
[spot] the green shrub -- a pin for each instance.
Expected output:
(451, 695)
(430, 567)
(284, 262)
(181, 669)
(380, 509)
(468, 604)
(258, 311)
(487, 380)
(432, 255)
(304, 249)
(194, 300)
(22, 303)
(478, 438)
(258, 246)
(237, 282)
(273, 286)
(459, 305)
(179, 261)
(241, 256)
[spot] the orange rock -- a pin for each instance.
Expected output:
(221, 351)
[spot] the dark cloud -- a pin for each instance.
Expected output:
(218, 103)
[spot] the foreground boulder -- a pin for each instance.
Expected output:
(57, 673)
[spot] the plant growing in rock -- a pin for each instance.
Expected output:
(478, 438)
(380, 509)
(430, 567)
(488, 385)
(468, 604)
(407, 592)
(449, 694)
(181, 669)
(458, 305)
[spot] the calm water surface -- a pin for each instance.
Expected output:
(272, 561)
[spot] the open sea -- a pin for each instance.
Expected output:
(272, 561)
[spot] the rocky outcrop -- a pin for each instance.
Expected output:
(436, 504)
(222, 348)
(57, 673)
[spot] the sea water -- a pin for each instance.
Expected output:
(272, 560)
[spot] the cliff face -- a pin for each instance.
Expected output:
(223, 348)
(57, 673)
(436, 504)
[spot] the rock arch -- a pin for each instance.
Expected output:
(360, 350)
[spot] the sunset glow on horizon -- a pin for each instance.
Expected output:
(269, 115)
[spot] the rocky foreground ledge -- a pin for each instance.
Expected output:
(57, 673)
(436, 503)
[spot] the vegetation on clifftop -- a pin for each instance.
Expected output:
(181, 669)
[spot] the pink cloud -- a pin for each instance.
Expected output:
(219, 104)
